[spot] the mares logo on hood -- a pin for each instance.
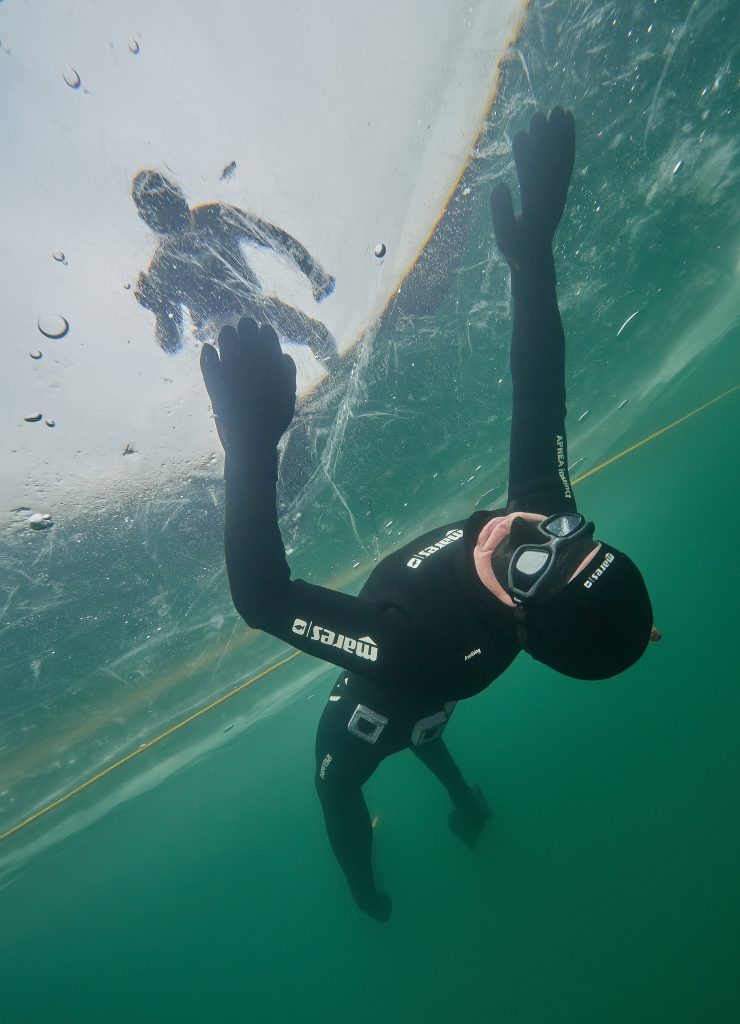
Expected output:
(594, 576)
(365, 647)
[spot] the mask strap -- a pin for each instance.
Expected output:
(520, 619)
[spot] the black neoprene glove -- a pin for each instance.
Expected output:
(251, 383)
(544, 158)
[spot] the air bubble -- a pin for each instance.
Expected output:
(40, 522)
(52, 325)
(127, 286)
(60, 257)
(36, 354)
(50, 423)
(380, 250)
(133, 46)
(71, 78)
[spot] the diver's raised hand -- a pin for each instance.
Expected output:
(251, 383)
(322, 284)
(544, 158)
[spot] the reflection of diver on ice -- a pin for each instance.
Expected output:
(199, 265)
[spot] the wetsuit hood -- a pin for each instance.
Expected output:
(598, 625)
(593, 628)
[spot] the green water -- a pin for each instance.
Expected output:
(195, 882)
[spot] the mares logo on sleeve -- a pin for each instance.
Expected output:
(365, 647)
(417, 560)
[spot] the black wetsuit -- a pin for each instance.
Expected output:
(424, 631)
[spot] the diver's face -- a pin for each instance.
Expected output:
(493, 533)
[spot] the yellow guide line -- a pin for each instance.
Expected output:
(279, 664)
(651, 437)
(146, 746)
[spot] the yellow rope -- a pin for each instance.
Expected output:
(279, 664)
(146, 746)
(651, 437)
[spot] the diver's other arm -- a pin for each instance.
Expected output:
(544, 158)
(260, 231)
(322, 284)
(246, 227)
(253, 393)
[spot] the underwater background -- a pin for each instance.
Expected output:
(190, 877)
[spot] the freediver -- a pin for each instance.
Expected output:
(198, 264)
(446, 614)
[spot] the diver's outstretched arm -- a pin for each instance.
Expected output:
(252, 385)
(538, 458)
(246, 227)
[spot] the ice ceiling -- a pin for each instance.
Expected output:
(170, 166)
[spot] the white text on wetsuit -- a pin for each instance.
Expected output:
(561, 466)
(416, 561)
(365, 647)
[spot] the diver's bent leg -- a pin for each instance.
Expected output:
(438, 759)
(470, 811)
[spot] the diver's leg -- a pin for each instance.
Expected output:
(346, 757)
(438, 759)
(292, 324)
(470, 810)
(350, 835)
